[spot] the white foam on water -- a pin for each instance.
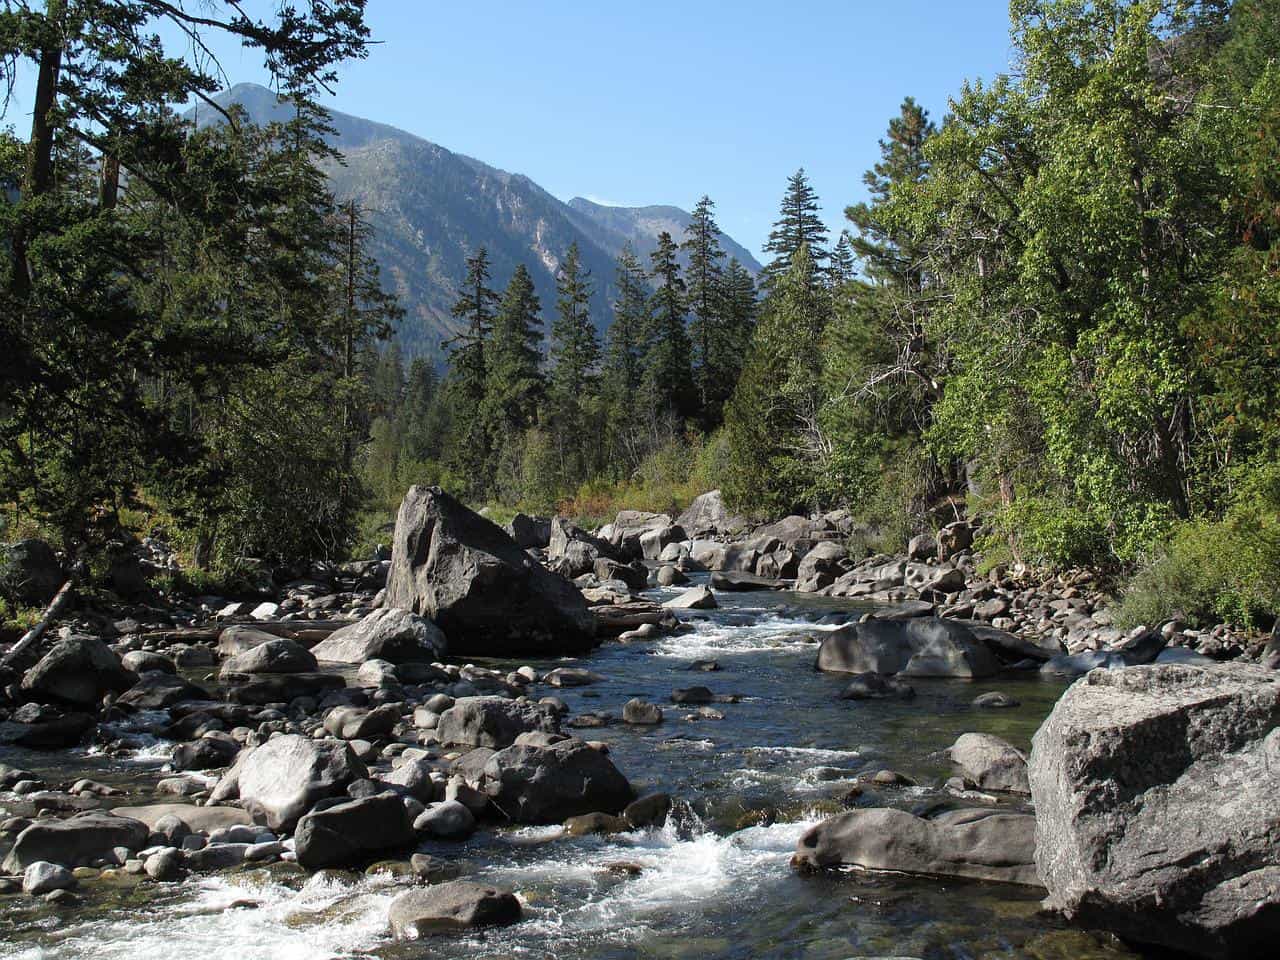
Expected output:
(322, 921)
(771, 635)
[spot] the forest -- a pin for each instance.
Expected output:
(1058, 308)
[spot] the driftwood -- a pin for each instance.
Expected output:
(32, 636)
(306, 632)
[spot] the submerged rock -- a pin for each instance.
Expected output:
(1155, 790)
(974, 844)
(916, 647)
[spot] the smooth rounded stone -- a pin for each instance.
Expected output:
(433, 869)
(165, 864)
(974, 844)
(447, 820)
(889, 778)
(873, 686)
(555, 705)
(355, 723)
(216, 856)
(156, 691)
(172, 829)
(589, 721)
(996, 700)
(414, 778)
(918, 647)
(180, 786)
(278, 655)
(425, 719)
(77, 671)
(548, 784)
(571, 677)
(237, 833)
(42, 876)
(348, 833)
(207, 753)
(376, 673)
(458, 789)
(493, 721)
(1155, 792)
(439, 703)
(595, 823)
(650, 810)
(391, 633)
(695, 598)
(264, 852)
(147, 661)
(670, 576)
(693, 695)
(207, 819)
(286, 776)
(990, 763)
(448, 907)
(79, 841)
(641, 712)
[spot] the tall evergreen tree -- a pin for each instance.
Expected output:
(470, 452)
(798, 225)
(574, 356)
(514, 382)
(705, 299)
(668, 374)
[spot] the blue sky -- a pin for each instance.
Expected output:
(660, 102)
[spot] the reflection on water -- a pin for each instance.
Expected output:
(714, 882)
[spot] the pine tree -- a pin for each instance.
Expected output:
(739, 304)
(469, 452)
(668, 373)
(514, 382)
(705, 300)
(574, 356)
(798, 225)
(628, 335)
(843, 265)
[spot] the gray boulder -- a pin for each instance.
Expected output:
(447, 820)
(973, 844)
(548, 784)
(347, 834)
(486, 594)
(695, 598)
(274, 656)
(78, 671)
(530, 533)
(286, 776)
(706, 516)
(1155, 791)
(916, 647)
(42, 877)
(991, 763)
(574, 552)
(873, 686)
(77, 842)
(641, 713)
(493, 722)
(390, 633)
(355, 723)
(449, 907)
(29, 572)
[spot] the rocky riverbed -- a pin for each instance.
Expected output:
(328, 779)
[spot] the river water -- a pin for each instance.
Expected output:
(714, 882)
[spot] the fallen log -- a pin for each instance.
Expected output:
(29, 639)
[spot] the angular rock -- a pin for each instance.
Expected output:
(991, 763)
(973, 844)
(390, 633)
(355, 723)
(286, 776)
(77, 671)
(486, 594)
(641, 713)
(349, 833)
(530, 533)
(42, 877)
(706, 516)
(155, 691)
(1155, 791)
(548, 784)
(695, 598)
(493, 722)
(449, 907)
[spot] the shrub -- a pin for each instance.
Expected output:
(1044, 532)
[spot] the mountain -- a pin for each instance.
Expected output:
(431, 208)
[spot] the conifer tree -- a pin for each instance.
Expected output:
(668, 373)
(706, 307)
(574, 356)
(798, 225)
(514, 382)
(469, 452)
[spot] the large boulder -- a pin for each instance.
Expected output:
(991, 763)
(78, 671)
(1155, 791)
(78, 842)
(706, 516)
(917, 647)
(389, 633)
(347, 834)
(974, 844)
(573, 551)
(196, 819)
(531, 533)
(449, 907)
(493, 722)
(548, 784)
(286, 776)
(478, 585)
(29, 572)
(275, 656)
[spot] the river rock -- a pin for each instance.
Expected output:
(530, 533)
(197, 819)
(915, 647)
(975, 844)
(547, 784)
(282, 779)
(155, 691)
(206, 753)
(641, 712)
(77, 671)
(390, 633)
(355, 723)
(486, 594)
(447, 820)
(452, 906)
(695, 598)
(42, 877)
(76, 842)
(348, 833)
(275, 656)
(47, 732)
(147, 661)
(707, 516)
(990, 763)
(1155, 790)
(873, 686)
(493, 722)
(240, 638)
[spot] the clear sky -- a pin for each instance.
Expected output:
(662, 101)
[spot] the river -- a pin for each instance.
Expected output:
(714, 882)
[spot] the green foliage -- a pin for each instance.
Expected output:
(1044, 532)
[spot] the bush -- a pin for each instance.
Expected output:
(1044, 532)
